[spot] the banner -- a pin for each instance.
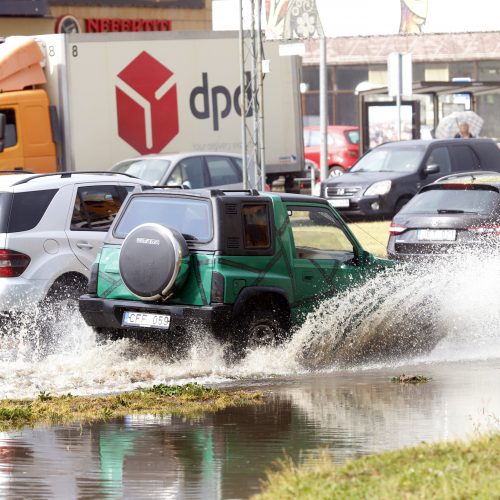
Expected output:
(303, 19)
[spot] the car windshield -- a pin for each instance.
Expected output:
(152, 170)
(404, 160)
(192, 218)
(453, 201)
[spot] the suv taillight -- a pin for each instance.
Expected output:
(217, 292)
(12, 264)
(396, 229)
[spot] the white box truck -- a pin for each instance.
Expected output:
(116, 95)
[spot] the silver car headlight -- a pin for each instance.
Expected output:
(379, 188)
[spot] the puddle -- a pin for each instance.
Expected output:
(226, 454)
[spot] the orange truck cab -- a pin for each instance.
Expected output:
(26, 139)
(26, 128)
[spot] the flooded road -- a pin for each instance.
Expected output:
(328, 387)
(226, 454)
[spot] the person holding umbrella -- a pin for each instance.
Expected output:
(463, 131)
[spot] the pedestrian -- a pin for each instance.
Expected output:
(463, 131)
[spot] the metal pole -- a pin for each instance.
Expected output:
(260, 94)
(243, 99)
(398, 97)
(323, 109)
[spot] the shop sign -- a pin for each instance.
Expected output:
(105, 25)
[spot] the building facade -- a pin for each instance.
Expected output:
(37, 17)
(357, 63)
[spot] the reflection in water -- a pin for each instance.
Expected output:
(226, 454)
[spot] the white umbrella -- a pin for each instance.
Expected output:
(448, 126)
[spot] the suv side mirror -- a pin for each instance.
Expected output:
(3, 124)
(432, 169)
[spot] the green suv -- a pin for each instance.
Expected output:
(243, 265)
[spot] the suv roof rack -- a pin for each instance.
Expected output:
(222, 192)
(65, 175)
(472, 174)
(164, 186)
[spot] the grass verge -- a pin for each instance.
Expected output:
(442, 470)
(373, 236)
(189, 399)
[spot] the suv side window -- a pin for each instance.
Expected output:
(95, 207)
(440, 156)
(318, 235)
(28, 209)
(222, 171)
(256, 226)
(465, 158)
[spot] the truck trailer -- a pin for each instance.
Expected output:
(95, 99)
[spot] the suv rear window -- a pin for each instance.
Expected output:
(478, 201)
(27, 209)
(192, 218)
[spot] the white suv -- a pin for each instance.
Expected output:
(51, 229)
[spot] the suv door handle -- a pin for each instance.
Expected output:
(307, 276)
(84, 245)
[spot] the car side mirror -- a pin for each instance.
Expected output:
(434, 168)
(186, 185)
(3, 124)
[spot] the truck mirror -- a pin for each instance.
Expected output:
(3, 123)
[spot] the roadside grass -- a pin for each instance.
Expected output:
(443, 470)
(188, 400)
(373, 236)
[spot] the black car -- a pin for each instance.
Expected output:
(458, 211)
(388, 176)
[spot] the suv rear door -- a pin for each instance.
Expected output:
(92, 212)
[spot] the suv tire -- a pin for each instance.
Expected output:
(260, 326)
(146, 250)
(60, 302)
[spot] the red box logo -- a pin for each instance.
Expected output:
(146, 103)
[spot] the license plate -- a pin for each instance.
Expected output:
(146, 320)
(436, 234)
(339, 202)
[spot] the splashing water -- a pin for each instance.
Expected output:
(447, 310)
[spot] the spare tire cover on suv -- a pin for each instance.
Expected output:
(150, 260)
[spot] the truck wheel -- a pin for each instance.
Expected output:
(153, 261)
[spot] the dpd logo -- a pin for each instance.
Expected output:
(146, 103)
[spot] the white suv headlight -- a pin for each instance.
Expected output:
(379, 188)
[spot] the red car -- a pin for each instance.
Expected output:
(343, 147)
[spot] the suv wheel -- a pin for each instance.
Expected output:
(260, 326)
(61, 302)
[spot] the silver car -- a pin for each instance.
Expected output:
(189, 170)
(51, 229)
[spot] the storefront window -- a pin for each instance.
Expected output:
(489, 71)
(347, 77)
(310, 77)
